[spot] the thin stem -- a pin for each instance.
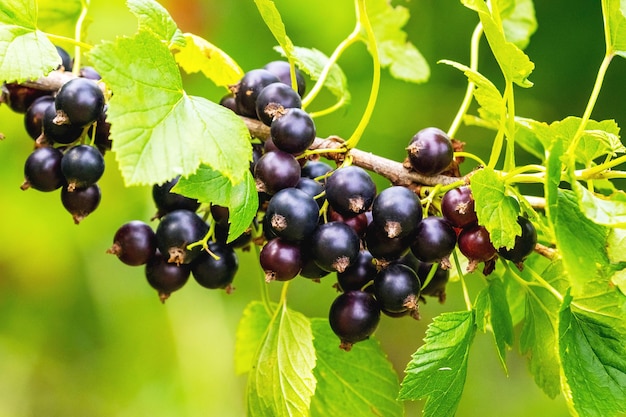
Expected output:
(78, 32)
(498, 142)
(65, 39)
(509, 160)
(469, 92)
(470, 156)
(265, 294)
(328, 110)
(371, 102)
(459, 271)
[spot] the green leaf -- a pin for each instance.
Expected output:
(361, 382)
(158, 131)
(438, 369)
(593, 356)
(199, 55)
(495, 210)
(156, 19)
(527, 138)
(210, 186)
(515, 64)
(25, 52)
(518, 21)
(492, 105)
(615, 26)
(581, 243)
(271, 17)
(607, 211)
(492, 308)
(250, 332)
(312, 62)
(404, 60)
(538, 338)
(58, 17)
(281, 382)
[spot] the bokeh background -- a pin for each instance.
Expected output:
(81, 334)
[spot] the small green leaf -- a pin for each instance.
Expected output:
(250, 332)
(312, 62)
(156, 19)
(25, 52)
(58, 17)
(492, 105)
(554, 167)
(492, 308)
(518, 21)
(615, 26)
(538, 338)
(361, 382)
(404, 60)
(438, 369)
(495, 210)
(158, 131)
(607, 211)
(515, 64)
(281, 382)
(527, 137)
(593, 356)
(271, 17)
(199, 55)
(209, 186)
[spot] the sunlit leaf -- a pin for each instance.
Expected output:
(607, 211)
(518, 21)
(58, 17)
(271, 17)
(250, 332)
(156, 19)
(615, 26)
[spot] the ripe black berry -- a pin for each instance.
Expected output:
(281, 260)
(66, 59)
(524, 243)
(81, 101)
(475, 244)
(283, 71)
(312, 188)
(397, 211)
(436, 287)
(397, 289)
(274, 100)
(384, 248)
(359, 274)
(335, 246)
(33, 119)
(81, 202)
(275, 171)
(249, 88)
(457, 206)
(316, 169)
(59, 133)
(82, 166)
(435, 240)
(216, 269)
(167, 201)
(166, 277)
(293, 214)
(42, 170)
(350, 190)
(430, 151)
(20, 97)
(134, 243)
(178, 229)
(358, 222)
(294, 131)
(353, 317)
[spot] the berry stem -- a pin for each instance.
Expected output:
(78, 31)
(459, 271)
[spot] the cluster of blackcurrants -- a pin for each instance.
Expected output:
(180, 245)
(64, 124)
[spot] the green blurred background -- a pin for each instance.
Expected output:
(81, 334)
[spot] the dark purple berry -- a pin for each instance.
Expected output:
(276, 171)
(293, 214)
(357, 222)
(350, 190)
(249, 88)
(335, 246)
(524, 243)
(457, 206)
(316, 169)
(283, 71)
(397, 211)
(353, 317)
(89, 73)
(430, 151)
(384, 248)
(42, 170)
(177, 230)
(475, 244)
(166, 277)
(59, 133)
(80, 101)
(20, 97)
(436, 287)
(294, 131)
(66, 59)
(281, 260)
(216, 269)
(134, 243)
(274, 100)
(80, 202)
(167, 201)
(359, 274)
(435, 240)
(82, 166)
(313, 188)
(397, 289)
(33, 119)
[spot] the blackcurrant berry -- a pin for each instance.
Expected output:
(20, 97)
(457, 206)
(435, 240)
(167, 201)
(59, 133)
(249, 88)
(524, 243)
(80, 101)
(178, 229)
(313, 188)
(293, 214)
(359, 274)
(33, 119)
(384, 248)
(166, 277)
(397, 211)
(310, 269)
(281, 260)
(316, 169)
(276, 171)
(216, 269)
(358, 222)
(89, 73)
(353, 317)
(350, 190)
(436, 287)
(274, 100)
(134, 243)
(430, 151)
(335, 246)
(66, 59)
(81, 202)
(228, 101)
(82, 166)
(397, 289)
(283, 71)
(42, 170)
(294, 131)
(475, 244)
